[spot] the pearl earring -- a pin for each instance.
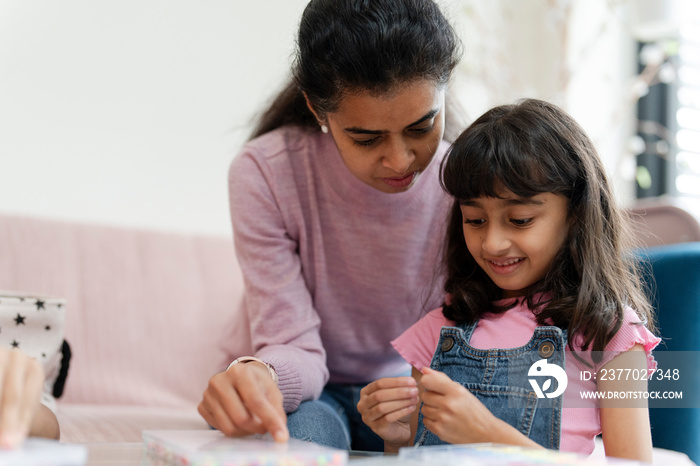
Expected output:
(324, 129)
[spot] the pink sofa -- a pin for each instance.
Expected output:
(150, 316)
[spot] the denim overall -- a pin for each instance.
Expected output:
(499, 379)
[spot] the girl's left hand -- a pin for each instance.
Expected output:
(451, 412)
(21, 414)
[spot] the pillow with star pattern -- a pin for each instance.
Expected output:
(35, 325)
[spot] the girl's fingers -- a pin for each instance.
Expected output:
(434, 381)
(9, 435)
(387, 395)
(431, 399)
(390, 395)
(22, 379)
(389, 409)
(396, 382)
(400, 414)
(430, 412)
(388, 383)
(32, 386)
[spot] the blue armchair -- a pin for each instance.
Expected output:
(672, 273)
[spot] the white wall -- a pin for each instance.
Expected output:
(128, 112)
(577, 54)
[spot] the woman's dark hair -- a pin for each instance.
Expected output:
(347, 46)
(529, 148)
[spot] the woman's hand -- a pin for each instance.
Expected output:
(244, 400)
(21, 411)
(386, 406)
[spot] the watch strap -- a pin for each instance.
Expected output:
(245, 359)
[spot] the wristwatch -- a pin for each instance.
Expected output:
(270, 368)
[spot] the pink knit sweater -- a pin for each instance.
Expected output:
(333, 269)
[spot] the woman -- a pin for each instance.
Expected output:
(338, 218)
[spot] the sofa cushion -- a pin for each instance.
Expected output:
(122, 424)
(150, 315)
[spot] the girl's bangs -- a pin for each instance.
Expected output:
(485, 167)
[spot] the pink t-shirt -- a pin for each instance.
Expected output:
(514, 328)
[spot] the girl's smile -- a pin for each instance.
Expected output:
(505, 266)
(515, 239)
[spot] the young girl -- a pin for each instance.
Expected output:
(537, 279)
(33, 366)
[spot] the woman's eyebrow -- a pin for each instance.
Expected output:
(427, 116)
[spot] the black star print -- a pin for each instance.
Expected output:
(47, 328)
(43, 355)
(20, 319)
(40, 305)
(15, 344)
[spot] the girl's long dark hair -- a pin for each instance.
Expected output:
(529, 148)
(363, 45)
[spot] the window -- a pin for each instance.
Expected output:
(687, 116)
(669, 115)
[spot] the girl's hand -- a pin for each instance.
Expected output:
(245, 400)
(454, 414)
(21, 381)
(386, 406)
(451, 412)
